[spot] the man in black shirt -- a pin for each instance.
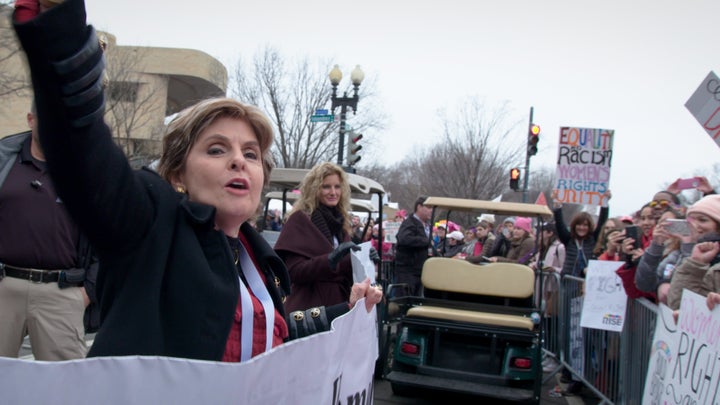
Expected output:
(41, 268)
(413, 245)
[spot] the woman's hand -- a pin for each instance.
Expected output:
(614, 242)
(713, 299)
(628, 247)
(705, 252)
(372, 295)
(660, 234)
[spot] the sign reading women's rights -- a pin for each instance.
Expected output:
(583, 165)
(684, 366)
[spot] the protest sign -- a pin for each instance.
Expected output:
(334, 367)
(362, 266)
(583, 165)
(605, 298)
(390, 229)
(685, 357)
(704, 105)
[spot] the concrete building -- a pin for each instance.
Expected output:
(145, 86)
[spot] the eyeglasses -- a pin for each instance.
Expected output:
(661, 203)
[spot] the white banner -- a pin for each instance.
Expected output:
(334, 367)
(685, 357)
(605, 298)
(704, 105)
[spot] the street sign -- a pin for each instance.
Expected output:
(321, 112)
(322, 118)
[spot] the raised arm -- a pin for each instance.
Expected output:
(90, 173)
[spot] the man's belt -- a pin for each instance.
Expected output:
(33, 275)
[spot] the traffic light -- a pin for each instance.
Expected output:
(353, 148)
(515, 179)
(533, 138)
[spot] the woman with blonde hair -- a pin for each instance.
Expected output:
(315, 240)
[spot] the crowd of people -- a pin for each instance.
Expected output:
(175, 245)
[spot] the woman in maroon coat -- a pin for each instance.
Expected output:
(315, 241)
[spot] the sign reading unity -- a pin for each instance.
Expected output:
(605, 298)
(704, 105)
(685, 357)
(583, 165)
(333, 367)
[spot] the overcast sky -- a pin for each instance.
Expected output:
(623, 65)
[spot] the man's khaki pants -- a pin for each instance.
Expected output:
(53, 318)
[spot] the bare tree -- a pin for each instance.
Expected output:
(13, 76)
(475, 154)
(130, 105)
(290, 94)
(471, 160)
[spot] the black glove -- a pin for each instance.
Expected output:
(341, 251)
(374, 256)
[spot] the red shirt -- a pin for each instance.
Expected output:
(280, 333)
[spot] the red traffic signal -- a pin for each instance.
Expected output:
(515, 178)
(353, 149)
(533, 138)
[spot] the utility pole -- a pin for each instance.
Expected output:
(527, 160)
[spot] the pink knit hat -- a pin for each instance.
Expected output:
(524, 223)
(708, 205)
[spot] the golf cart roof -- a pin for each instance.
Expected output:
(489, 207)
(289, 179)
(356, 203)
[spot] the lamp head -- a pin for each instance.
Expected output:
(357, 75)
(335, 75)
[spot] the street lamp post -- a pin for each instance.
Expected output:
(356, 76)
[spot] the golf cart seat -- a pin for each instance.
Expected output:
(498, 284)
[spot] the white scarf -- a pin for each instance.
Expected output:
(257, 286)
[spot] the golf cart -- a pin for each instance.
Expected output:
(477, 328)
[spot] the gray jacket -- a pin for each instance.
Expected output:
(654, 270)
(694, 276)
(10, 147)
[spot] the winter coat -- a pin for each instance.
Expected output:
(573, 247)
(305, 251)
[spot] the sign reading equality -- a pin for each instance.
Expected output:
(583, 165)
(704, 105)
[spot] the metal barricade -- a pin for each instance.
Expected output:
(611, 364)
(636, 349)
(552, 331)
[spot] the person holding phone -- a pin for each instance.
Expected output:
(636, 239)
(663, 255)
(700, 273)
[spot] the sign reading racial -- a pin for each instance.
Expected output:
(583, 165)
(685, 357)
(704, 105)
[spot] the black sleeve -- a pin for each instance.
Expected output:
(562, 231)
(314, 320)
(604, 213)
(89, 172)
